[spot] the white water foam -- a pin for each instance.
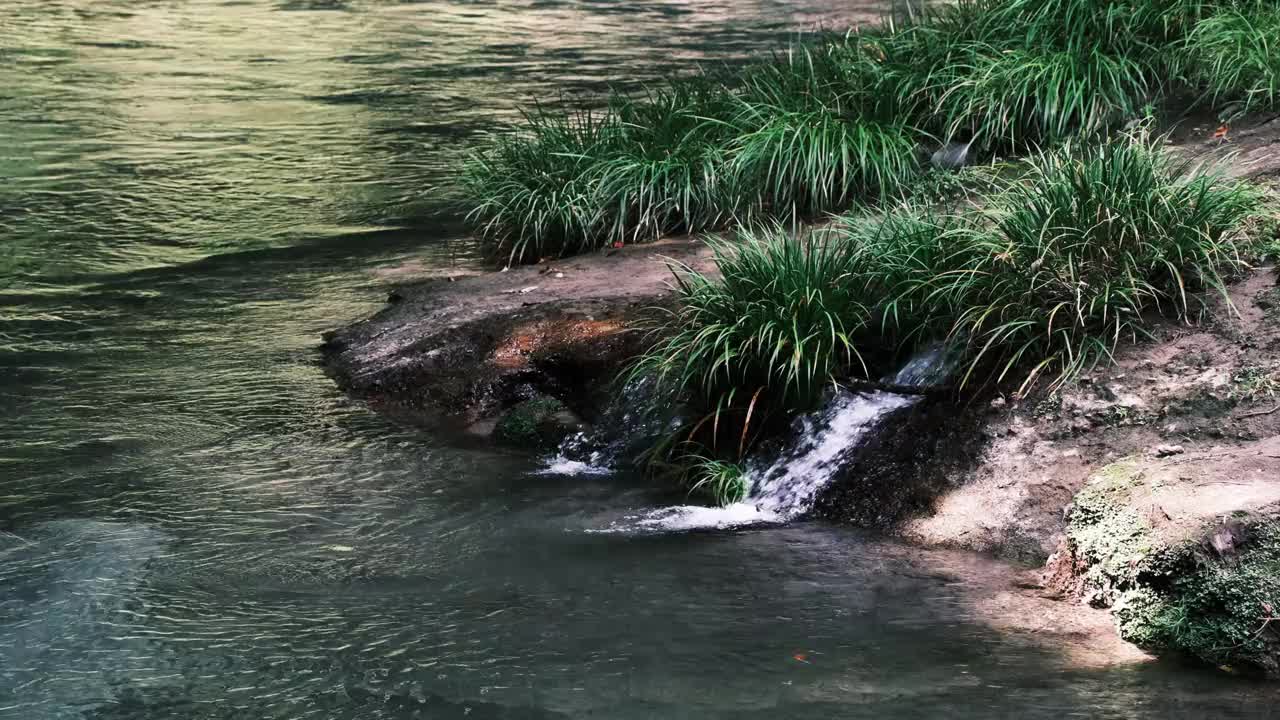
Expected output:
(561, 465)
(789, 485)
(694, 517)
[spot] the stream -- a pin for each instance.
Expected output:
(194, 523)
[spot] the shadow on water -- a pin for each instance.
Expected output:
(195, 524)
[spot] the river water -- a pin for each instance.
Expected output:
(195, 524)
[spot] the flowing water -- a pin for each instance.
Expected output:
(785, 486)
(195, 524)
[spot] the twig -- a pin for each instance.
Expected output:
(1260, 413)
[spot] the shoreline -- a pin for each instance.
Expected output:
(454, 354)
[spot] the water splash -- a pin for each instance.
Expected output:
(927, 368)
(679, 518)
(632, 422)
(561, 465)
(788, 485)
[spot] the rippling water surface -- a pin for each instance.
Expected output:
(195, 524)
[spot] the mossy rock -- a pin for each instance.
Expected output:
(1218, 609)
(1207, 595)
(1108, 534)
(539, 423)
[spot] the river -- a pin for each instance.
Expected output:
(195, 524)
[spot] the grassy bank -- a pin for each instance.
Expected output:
(1044, 274)
(1088, 240)
(1078, 255)
(851, 119)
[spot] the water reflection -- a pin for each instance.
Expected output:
(150, 134)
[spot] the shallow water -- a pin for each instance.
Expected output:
(195, 524)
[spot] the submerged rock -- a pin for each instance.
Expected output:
(539, 423)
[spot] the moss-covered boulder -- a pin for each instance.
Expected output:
(1186, 553)
(1218, 608)
(539, 423)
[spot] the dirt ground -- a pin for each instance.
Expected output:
(1198, 406)
(1206, 392)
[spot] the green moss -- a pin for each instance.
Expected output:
(1182, 598)
(532, 423)
(1219, 612)
(1123, 416)
(1108, 533)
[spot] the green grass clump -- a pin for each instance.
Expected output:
(534, 193)
(1234, 55)
(1078, 254)
(796, 165)
(1063, 265)
(663, 169)
(723, 482)
(1024, 96)
(770, 333)
(842, 120)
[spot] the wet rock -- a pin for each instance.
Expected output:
(899, 471)
(539, 423)
(450, 355)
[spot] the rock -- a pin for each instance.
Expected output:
(1187, 557)
(1227, 536)
(1162, 451)
(448, 355)
(539, 423)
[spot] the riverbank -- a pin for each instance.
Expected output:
(456, 351)
(1196, 400)
(460, 352)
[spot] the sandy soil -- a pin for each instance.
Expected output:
(1203, 393)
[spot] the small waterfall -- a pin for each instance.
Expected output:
(788, 485)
